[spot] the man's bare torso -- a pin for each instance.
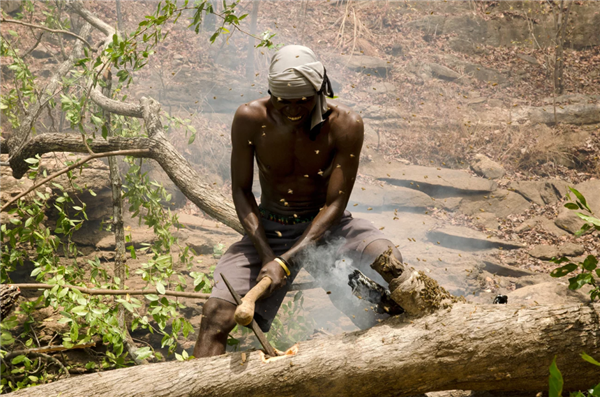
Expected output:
(294, 171)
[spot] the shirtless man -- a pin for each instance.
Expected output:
(307, 150)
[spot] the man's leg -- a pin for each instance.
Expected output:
(217, 322)
(376, 248)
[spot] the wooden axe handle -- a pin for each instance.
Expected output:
(244, 313)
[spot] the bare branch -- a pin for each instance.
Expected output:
(48, 29)
(18, 139)
(93, 20)
(112, 106)
(75, 165)
(99, 291)
(52, 348)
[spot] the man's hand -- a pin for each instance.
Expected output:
(275, 272)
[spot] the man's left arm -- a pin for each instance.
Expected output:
(343, 175)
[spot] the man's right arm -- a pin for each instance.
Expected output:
(245, 124)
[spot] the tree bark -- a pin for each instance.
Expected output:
(489, 347)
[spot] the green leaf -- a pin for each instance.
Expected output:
(594, 221)
(590, 263)
(160, 288)
(584, 228)
(589, 359)
(32, 161)
(13, 33)
(595, 392)
(18, 360)
(563, 270)
(555, 381)
(104, 132)
(580, 280)
(580, 197)
(572, 206)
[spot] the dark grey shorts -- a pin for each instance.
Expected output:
(241, 263)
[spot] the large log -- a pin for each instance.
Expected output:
(470, 347)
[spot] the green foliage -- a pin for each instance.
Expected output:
(294, 325)
(28, 238)
(588, 269)
(288, 327)
(556, 382)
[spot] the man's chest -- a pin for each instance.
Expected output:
(281, 154)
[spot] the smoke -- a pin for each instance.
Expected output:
(331, 268)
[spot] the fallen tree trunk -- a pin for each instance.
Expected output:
(490, 347)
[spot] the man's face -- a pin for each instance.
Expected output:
(295, 111)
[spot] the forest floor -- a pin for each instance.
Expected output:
(411, 118)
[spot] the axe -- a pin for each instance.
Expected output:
(253, 325)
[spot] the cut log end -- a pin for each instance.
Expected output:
(8, 297)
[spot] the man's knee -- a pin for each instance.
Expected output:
(217, 316)
(378, 247)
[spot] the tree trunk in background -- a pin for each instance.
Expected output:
(117, 226)
(119, 17)
(561, 18)
(471, 347)
(250, 57)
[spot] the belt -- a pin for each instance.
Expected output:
(285, 219)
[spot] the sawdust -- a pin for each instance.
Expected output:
(292, 351)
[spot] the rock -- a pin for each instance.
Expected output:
(540, 192)
(488, 220)
(484, 166)
(505, 271)
(390, 197)
(568, 219)
(365, 64)
(549, 251)
(460, 237)
(443, 72)
(528, 58)
(502, 204)
(397, 50)
(434, 181)
(450, 203)
(570, 249)
(41, 52)
(95, 177)
(201, 243)
(567, 114)
(546, 293)
(477, 71)
(10, 7)
(383, 88)
(543, 223)
(544, 252)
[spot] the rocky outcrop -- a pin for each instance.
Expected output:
(486, 167)
(463, 238)
(436, 182)
(541, 192)
(568, 219)
(365, 64)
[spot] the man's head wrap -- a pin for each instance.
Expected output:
(295, 72)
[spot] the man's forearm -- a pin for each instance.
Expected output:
(249, 215)
(325, 219)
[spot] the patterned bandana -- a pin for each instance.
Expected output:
(296, 73)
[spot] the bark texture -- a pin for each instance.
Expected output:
(491, 347)
(8, 297)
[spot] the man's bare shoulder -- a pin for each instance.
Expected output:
(249, 117)
(345, 123)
